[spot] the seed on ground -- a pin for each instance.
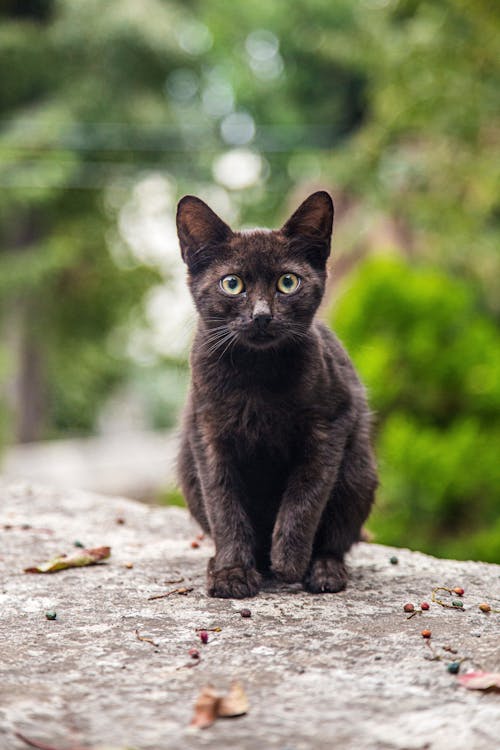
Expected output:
(245, 613)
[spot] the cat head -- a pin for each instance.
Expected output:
(256, 288)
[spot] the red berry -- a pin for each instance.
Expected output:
(203, 636)
(426, 633)
(194, 653)
(458, 591)
(424, 605)
(409, 608)
(195, 544)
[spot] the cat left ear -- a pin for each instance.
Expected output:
(310, 227)
(199, 229)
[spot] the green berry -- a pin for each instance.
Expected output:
(51, 615)
(78, 544)
(453, 667)
(394, 560)
(457, 603)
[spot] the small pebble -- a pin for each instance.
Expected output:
(453, 667)
(424, 605)
(393, 560)
(409, 607)
(426, 633)
(128, 565)
(245, 613)
(78, 544)
(458, 591)
(194, 653)
(120, 520)
(457, 603)
(484, 607)
(203, 636)
(51, 615)
(195, 544)
(476, 633)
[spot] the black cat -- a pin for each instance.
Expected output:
(275, 461)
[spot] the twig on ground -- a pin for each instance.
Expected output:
(184, 590)
(145, 639)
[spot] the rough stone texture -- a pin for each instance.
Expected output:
(334, 671)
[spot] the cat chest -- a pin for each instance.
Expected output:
(256, 422)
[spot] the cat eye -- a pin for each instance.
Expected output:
(232, 285)
(288, 283)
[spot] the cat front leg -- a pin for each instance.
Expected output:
(231, 573)
(305, 498)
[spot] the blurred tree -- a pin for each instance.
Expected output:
(98, 95)
(429, 149)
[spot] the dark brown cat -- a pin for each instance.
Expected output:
(275, 462)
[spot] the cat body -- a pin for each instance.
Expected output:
(275, 461)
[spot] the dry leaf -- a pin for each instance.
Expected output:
(77, 560)
(210, 706)
(480, 680)
(235, 703)
(206, 708)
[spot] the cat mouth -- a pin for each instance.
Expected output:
(259, 339)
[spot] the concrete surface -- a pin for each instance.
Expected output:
(334, 671)
(136, 464)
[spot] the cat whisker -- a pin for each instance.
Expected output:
(219, 342)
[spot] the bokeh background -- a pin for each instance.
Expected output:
(110, 110)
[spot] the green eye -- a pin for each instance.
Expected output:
(232, 285)
(288, 283)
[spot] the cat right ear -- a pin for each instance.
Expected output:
(199, 229)
(309, 229)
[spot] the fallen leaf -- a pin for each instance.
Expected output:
(235, 703)
(211, 706)
(77, 560)
(206, 707)
(480, 680)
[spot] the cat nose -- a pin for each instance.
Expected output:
(262, 321)
(261, 315)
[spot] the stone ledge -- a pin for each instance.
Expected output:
(340, 671)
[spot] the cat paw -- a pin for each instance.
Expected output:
(235, 582)
(325, 575)
(286, 570)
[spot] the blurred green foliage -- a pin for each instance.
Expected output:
(430, 357)
(392, 104)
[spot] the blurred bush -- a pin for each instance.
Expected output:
(430, 357)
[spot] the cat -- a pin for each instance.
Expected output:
(275, 460)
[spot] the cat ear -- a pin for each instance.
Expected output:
(310, 227)
(198, 229)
